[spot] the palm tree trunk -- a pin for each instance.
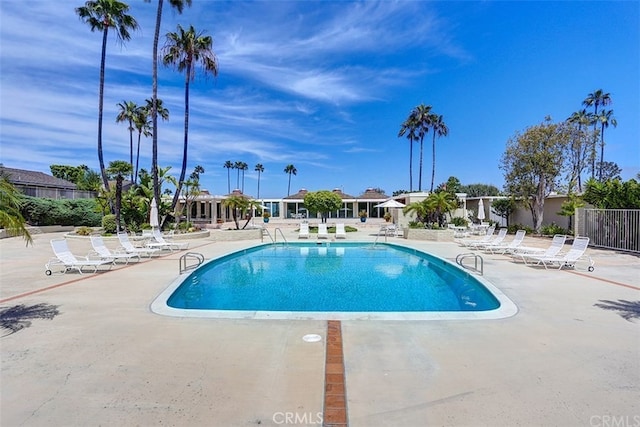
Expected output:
(186, 138)
(289, 186)
(420, 171)
(411, 165)
(601, 153)
(258, 184)
(131, 148)
(135, 176)
(433, 168)
(154, 107)
(228, 180)
(105, 180)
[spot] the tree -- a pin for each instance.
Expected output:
(596, 99)
(228, 165)
(423, 118)
(410, 128)
(243, 167)
(610, 170)
(433, 209)
(185, 50)
(532, 162)
(605, 118)
(259, 168)
(127, 113)
(613, 194)
(101, 15)
(504, 207)
(323, 202)
(579, 147)
(291, 170)
(238, 166)
(439, 129)
(10, 217)
(117, 170)
(178, 5)
(191, 190)
(143, 125)
(240, 206)
(479, 190)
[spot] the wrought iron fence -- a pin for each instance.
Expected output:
(610, 228)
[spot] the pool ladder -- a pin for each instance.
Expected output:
(461, 257)
(190, 261)
(274, 238)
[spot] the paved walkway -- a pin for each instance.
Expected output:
(566, 358)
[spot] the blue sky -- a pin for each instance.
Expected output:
(323, 86)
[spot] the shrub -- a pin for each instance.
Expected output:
(551, 229)
(459, 221)
(84, 231)
(78, 212)
(416, 224)
(109, 224)
(515, 227)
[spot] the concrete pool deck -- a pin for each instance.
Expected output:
(566, 358)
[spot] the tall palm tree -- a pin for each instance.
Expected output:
(228, 165)
(143, 126)
(439, 129)
(409, 127)
(185, 50)
(178, 5)
(291, 170)
(127, 113)
(238, 166)
(596, 98)
(422, 117)
(100, 15)
(605, 118)
(243, 167)
(118, 169)
(259, 168)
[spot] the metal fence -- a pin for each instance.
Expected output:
(610, 228)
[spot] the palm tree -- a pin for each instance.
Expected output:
(422, 118)
(185, 50)
(409, 127)
(290, 169)
(101, 15)
(259, 168)
(228, 165)
(243, 167)
(596, 99)
(143, 125)
(128, 112)
(439, 129)
(238, 166)
(10, 217)
(179, 6)
(118, 169)
(605, 118)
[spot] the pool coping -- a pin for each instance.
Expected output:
(506, 309)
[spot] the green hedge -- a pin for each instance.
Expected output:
(77, 212)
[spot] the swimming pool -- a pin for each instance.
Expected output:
(336, 280)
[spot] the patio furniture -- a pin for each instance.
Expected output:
(130, 248)
(101, 250)
(575, 253)
(67, 261)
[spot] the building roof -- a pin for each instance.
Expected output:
(371, 193)
(32, 178)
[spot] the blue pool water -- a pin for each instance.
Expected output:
(339, 277)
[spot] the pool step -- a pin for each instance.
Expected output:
(190, 261)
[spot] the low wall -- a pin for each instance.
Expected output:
(426, 234)
(234, 235)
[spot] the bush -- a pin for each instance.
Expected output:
(459, 221)
(109, 224)
(416, 224)
(84, 231)
(515, 227)
(77, 212)
(552, 229)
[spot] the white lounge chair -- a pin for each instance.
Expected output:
(162, 243)
(340, 231)
(101, 250)
(484, 239)
(525, 252)
(510, 247)
(129, 248)
(576, 252)
(67, 261)
(322, 231)
(304, 231)
(496, 240)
